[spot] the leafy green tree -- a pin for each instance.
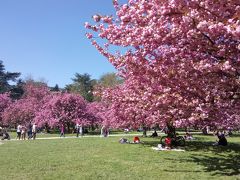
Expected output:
(5, 77)
(17, 90)
(83, 85)
(109, 80)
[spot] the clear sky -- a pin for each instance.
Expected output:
(46, 39)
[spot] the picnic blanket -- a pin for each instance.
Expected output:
(164, 149)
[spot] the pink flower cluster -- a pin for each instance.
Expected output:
(62, 108)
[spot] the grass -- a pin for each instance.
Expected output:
(105, 158)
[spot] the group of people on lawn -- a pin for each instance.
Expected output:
(30, 130)
(22, 131)
(222, 141)
(78, 129)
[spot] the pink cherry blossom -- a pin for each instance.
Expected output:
(62, 108)
(180, 61)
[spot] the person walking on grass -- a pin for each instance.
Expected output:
(62, 131)
(34, 131)
(29, 131)
(77, 127)
(81, 130)
(19, 127)
(23, 132)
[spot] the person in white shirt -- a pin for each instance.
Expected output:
(19, 127)
(23, 132)
(34, 131)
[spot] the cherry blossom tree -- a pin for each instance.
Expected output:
(100, 114)
(62, 109)
(49, 109)
(23, 111)
(19, 112)
(95, 114)
(180, 61)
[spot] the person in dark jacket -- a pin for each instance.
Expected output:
(222, 141)
(5, 134)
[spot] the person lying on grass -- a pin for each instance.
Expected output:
(136, 140)
(123, 141)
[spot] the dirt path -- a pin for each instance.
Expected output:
(85, 136)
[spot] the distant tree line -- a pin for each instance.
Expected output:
(82, 84)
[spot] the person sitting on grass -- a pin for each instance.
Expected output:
(126, 130)
(154, 134)
(168, 143)
(222, 141)
(5, 134)
(136, 140)
(188, 136)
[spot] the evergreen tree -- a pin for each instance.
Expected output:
(55, 88)
(83, 85)
(5, 77)
(17, 90)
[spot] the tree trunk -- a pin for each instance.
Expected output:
(47, 128)
(171, 131)
(68, 128)
(93, 127)
(205, 131)
(144, 132)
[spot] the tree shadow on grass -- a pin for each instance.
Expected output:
(218, 160)
(208, 146)
(224, 164)
(151, 143)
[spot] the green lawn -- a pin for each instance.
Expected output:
(105, 158)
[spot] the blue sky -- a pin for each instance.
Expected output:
(46, 39)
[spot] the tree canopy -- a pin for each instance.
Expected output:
(181, 61)
(83, 85)
(6, 77)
